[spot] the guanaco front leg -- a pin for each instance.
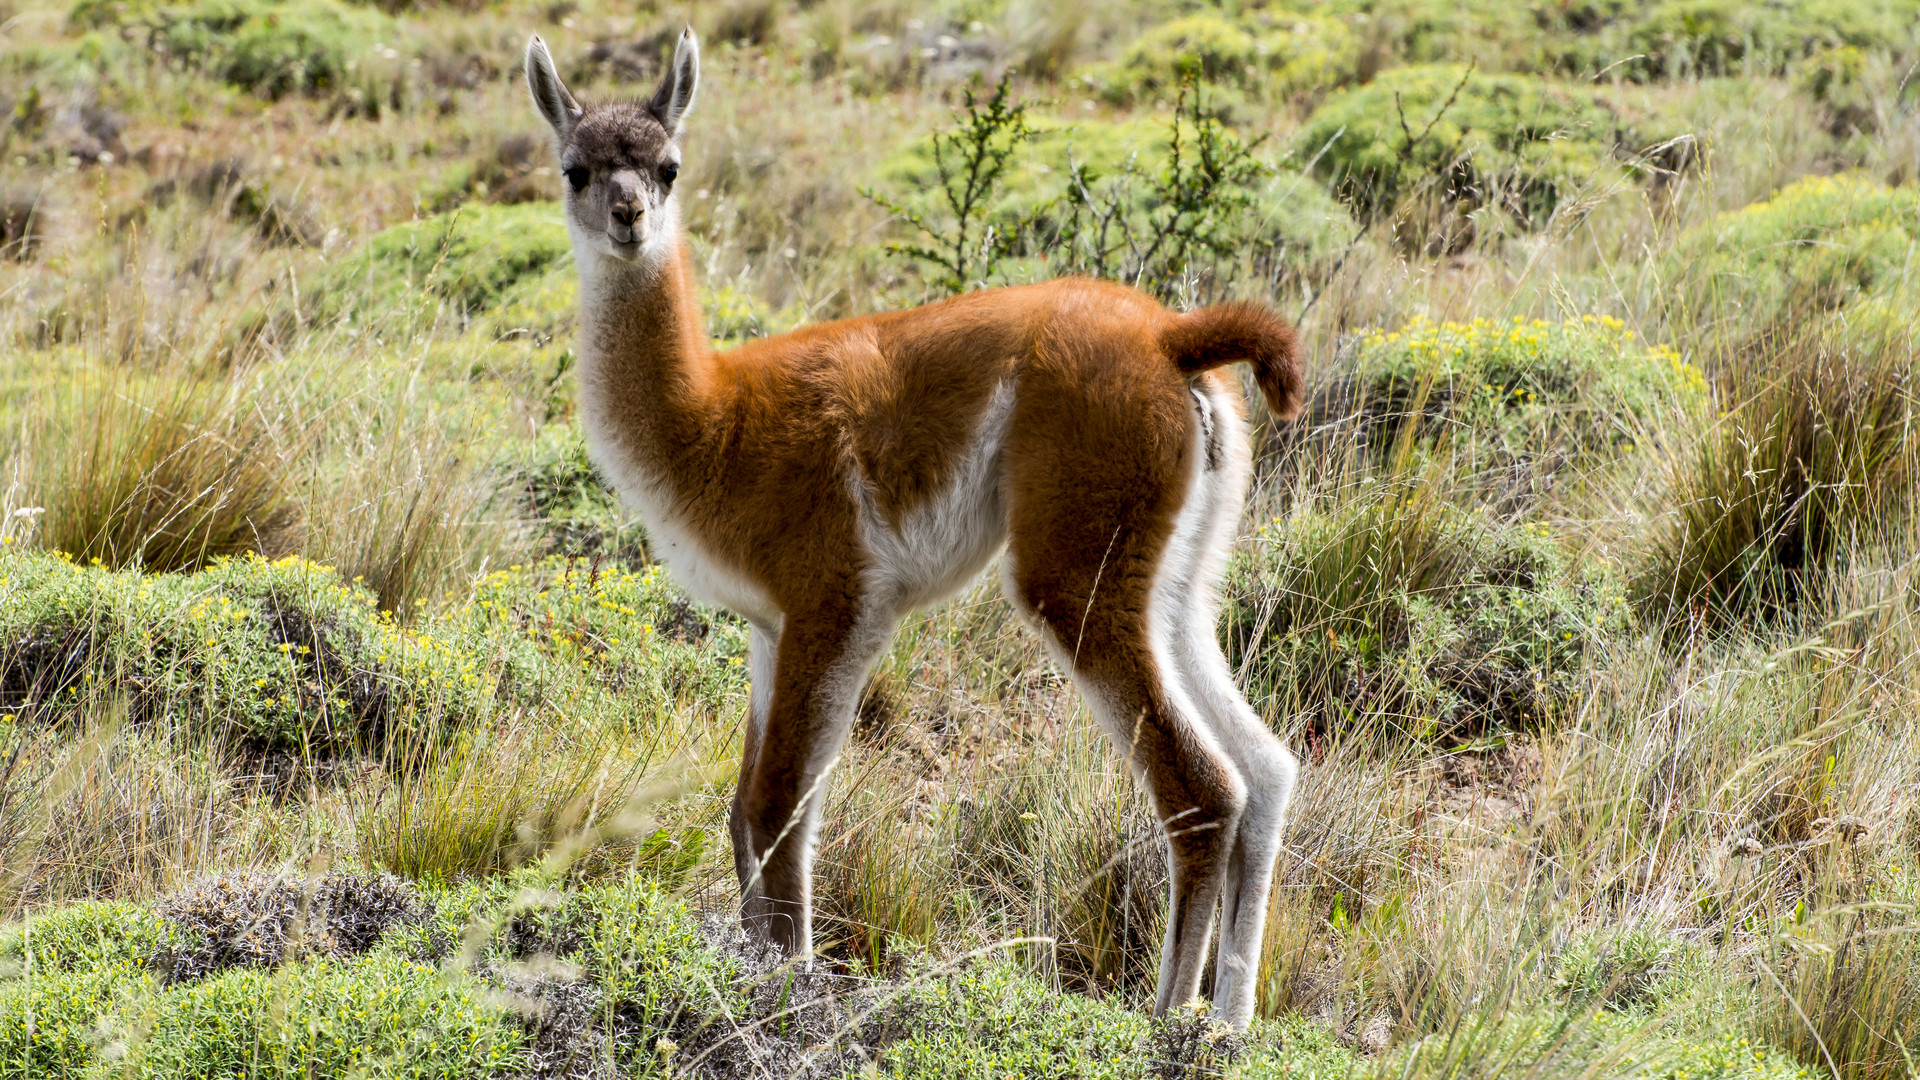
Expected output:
(763, 643)
(820, 664)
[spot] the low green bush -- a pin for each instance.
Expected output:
(1456, 140)
(1689, 38)
(1634, 971)
(1815, 247)
(1384, 607)
(85, 937)
(63, 976)
(282, 655)
(278, 655)
(988, 1019)
(454, 266)
(1505, 393)
(50, 1025)
(1278, 56)
(379, 1015)
(1631, 39)
(627, 630)
(504, 271)
(271, 47)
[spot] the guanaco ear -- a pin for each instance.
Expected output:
(675, 96)
(550, 95)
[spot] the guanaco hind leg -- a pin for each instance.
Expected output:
(1093, 524)
(1188, 595)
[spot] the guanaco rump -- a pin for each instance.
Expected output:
(826, 482)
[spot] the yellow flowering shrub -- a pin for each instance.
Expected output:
(1816, 246)
(1521, 388)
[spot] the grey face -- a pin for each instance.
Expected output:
(620, 160)
(620, 167)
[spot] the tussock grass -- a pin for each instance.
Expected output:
(163, 473)
(1808, 458)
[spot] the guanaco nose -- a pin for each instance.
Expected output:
(624, 205)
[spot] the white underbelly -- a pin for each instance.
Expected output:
(941, 546)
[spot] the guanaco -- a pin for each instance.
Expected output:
(824, 483)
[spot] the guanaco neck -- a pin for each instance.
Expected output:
(646, 378)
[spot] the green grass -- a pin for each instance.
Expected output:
(271, 47)
(1803, 470)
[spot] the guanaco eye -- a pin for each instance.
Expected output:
(667, 173)
(578, 177)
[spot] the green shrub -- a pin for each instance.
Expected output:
(85, 937)
(1525, 391)
(1839, 80)
(283, 655)
(1685, 38)
(986, 1020)
(1153, 204)
(629, 627)
(1816, 246)
(379, 1015)
(1382, 606)
(1288, 57)
(455, 265)
(992, 1021)
(50, 1024)
(1632, 970)
(271, 47)
(1459, 139)
(1629, 39)
(280, 656)
(63, 975)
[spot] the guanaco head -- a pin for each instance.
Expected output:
(619, 158)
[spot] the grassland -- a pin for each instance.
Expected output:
(347, 729)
